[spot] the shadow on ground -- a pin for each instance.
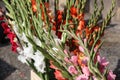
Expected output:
(3, 45)
(5, 69)
(111, 26)
(117, 70)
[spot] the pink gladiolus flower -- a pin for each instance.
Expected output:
(95, 50)
(85, 60)
(82, 77)
(94, 78)
(86, 71)
(67, 60)
(81, 49)
(74, 59)
(111, 76)
(72, 70)
(102, 61)
(65, 51)
(85, 40)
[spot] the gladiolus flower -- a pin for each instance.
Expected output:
(85, 60)
(102, 60)
(52, 66)
(59, 16)
(85, 40)
(88, 32)
(58, 75)
(81, 16)
(74, 59)
(86, 71)
(81, 49)
(34, 7)
(94, 78)
(65, 51)
(111, 76)
(82, 77)
(10, 35)
(14, 47)
(103, 63)
(39, 62)
(81, 58)
(73, 12)
(81, 25)
(67, 60)
(72, 70)
(96, 28)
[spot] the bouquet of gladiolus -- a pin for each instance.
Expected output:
(59, 44)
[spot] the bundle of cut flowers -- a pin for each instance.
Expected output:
(59, 44)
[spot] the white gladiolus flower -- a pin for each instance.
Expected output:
(39, 61)
(22, 58)
(19, 49)
(37, 41)
(16, 29)
(28, 51)
(24, 38)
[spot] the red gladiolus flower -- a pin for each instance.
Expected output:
(14, 46)
(1, 18)
(10, 35)
(6, 28)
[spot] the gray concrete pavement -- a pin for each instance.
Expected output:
(111, 47)
(10, 67)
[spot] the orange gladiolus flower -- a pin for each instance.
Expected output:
(76, 51)
(81, 56)
(81, 16)
(34, 7)
(96, 28)
(57, 72)
(59, 16)
(71, 22)
(98, 43)
(73, 12)
(88, 32)
(91, 42)
(81, 25)
(43, 16)
(58, 75)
